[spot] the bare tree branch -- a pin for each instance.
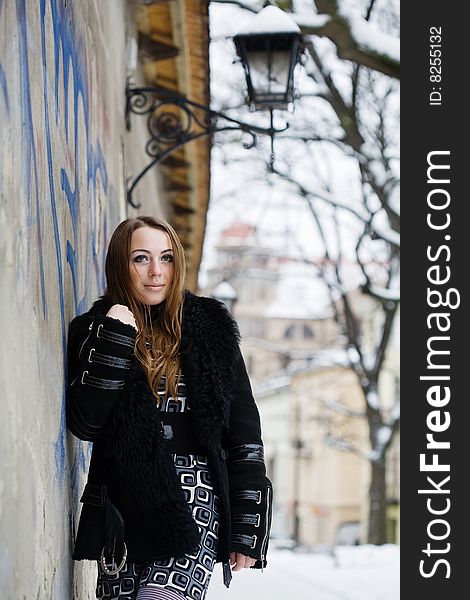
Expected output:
(342, 29)
(344, 445)
(343, 111)
(310, 195)
(389, 311)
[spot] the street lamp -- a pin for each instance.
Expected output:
(225, 292)
(269, 47)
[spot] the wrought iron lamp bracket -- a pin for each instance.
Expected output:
(173, 121)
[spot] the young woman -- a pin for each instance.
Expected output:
(177, 480)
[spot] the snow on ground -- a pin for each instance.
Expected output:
(354, 573)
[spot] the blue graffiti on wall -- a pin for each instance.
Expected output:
(5, 105)
(3, 85)
(80, 182)
(29, 144)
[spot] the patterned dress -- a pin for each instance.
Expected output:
(187, 577)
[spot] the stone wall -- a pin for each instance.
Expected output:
(63, 166)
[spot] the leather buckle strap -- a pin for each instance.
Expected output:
(108, 360)
(247, 519)
(117, 338)
(103, 384)
(247, 495)
(246, 452)
(245, 540)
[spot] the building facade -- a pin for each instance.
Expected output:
(311, 404)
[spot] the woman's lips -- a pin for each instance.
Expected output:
(155, 287)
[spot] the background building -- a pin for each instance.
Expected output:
(311, 404)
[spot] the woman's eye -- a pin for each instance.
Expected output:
(167, 258)
(140, 258)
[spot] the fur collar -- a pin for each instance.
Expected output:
(209, 346)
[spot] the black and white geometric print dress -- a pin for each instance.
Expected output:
(187, 577)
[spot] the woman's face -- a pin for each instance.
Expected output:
(151, 264)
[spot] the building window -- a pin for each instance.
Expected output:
(290, 332)
(308, 333)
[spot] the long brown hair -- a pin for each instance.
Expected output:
(159, 331)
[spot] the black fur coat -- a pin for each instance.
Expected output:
(110, 403)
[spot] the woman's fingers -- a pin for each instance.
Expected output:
(122, 313)
(239, 561)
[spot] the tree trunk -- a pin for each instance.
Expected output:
(377, 504)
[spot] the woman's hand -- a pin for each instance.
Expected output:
(240, 561)
(122, 313)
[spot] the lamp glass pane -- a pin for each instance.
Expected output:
(269, 77)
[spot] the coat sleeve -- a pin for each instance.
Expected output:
(250, 489)
(98, 360)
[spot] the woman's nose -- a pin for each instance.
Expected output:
(154, 267)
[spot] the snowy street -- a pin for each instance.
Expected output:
(356, 573)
